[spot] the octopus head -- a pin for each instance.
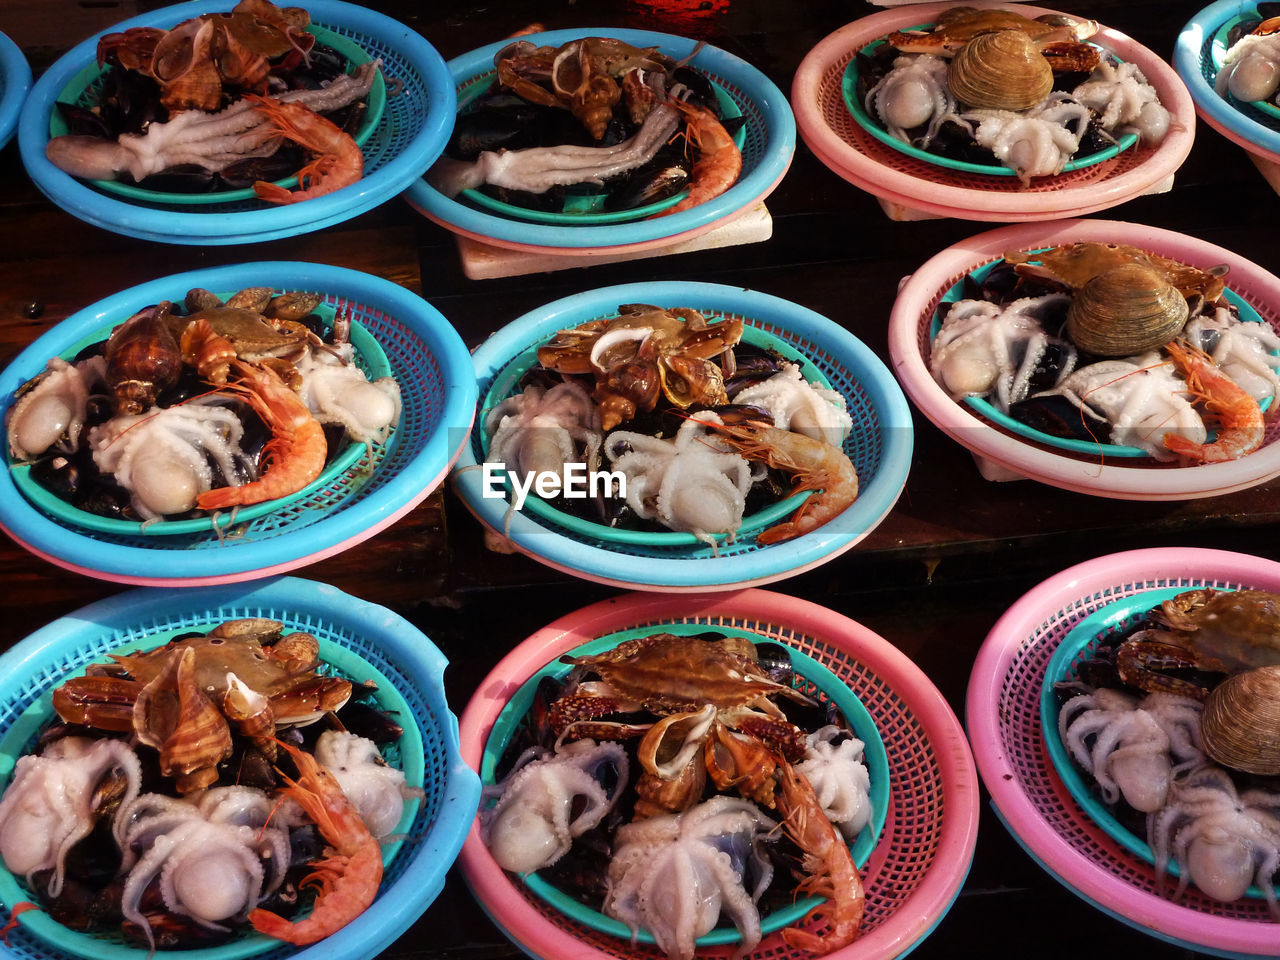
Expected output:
(1221, 862)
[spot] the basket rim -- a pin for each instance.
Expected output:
(15, 84)
(406, 646)
(915, 917)
(243, 226)
(964, 202)
(549, 546)
(634, 235)
(75, 549)
(1020, 456)
(983, 703)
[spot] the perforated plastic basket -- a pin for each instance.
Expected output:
(879, 445)
(362, 633)
(1193, 58)
(15, 83)
(927, 844)
(909, 347)
(414, 128)
(1003, 718)
(438, 392)
(839, 142)
(766, 155)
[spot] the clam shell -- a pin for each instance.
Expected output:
(1000, 71)
(1124, 311)
(1241, 717)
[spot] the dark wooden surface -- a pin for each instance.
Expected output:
(932, 579)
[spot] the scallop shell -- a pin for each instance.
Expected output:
(1000, 71)
(1241, 717)
(1125, 311)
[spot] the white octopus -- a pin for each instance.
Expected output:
(1124, 101)
(984, 349)
(913, 93)
(48, 806)
(1221, 840)
(543, 804)
(375, 788)
(540, 430)
(796, 404)
(1130, 753)
(54, 406)
(1251, 68)
(163, 457)
(1143, 398)
(215, 860)
(839, 778)
(1036, 142)
(1248, 352)
(674, 874)
(685, 483)
(335, 390)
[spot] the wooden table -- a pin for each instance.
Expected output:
(955, 552)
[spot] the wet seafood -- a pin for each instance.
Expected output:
(339, 164)
(1000, 71)
(375, 788)
(335, 390)
(958, 25)
(1125, 102)
(50, 411)
(1240, 720)
(1240, 418)
(1249, 353)
(719, 161)
(539, 431)
(1075, 264)
(913, 94)
(834, 768)
(143, 359)
(1036, 142)
(795, 404)
(1251, 69)
(1124, 311)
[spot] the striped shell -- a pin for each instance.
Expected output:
(1000, 71)
(1241, 717)
(1125, 311)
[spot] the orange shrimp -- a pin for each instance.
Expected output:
(828, 865)
(1238, 413)
(340, 163)
(294, 456)
(814, 464)
(719, 161)
(347, 877)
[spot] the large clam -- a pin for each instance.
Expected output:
(1241, 718)
(1000, 71)
(1125, 311)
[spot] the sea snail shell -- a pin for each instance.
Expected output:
(1000, 71)
(1125, 311)
(1241, 717)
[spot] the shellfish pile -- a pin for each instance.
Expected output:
(1174, 719)
(185, 410)
(994, 87)
(1107, 343)
(153, 805)
(695, 427)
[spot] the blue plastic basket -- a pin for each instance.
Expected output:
(414, 129)
(15, 83)
(438, 393)
(770, 143)
(1193, 58)
(879, 445)
(353, 629)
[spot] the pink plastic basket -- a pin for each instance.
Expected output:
(909, 341)
(1003, 715)
(838, 141)
(927, 844)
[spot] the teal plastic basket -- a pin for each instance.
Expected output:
(812, 678)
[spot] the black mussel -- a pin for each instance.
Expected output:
(1069, 80)
(362, 692)
(701, 90)
(322, 65)
(751, 365)
(183, 178)
(349, 118)
(104, 497)
(285, 162)
(1094, 139)
(128, 101)
(583, 872)
(82, 122)
(371, 722)
(1243, 28)
(742, 413)
(822, 712)
(96, 859)
(552, 201)
(617, 130)
(540, 377)
(733, 124)
(1059, 417)
(1052, 366)
(648, 184)
(62, 475)
(954, 141)
(172, 931)
(998, 284)
(335, 435)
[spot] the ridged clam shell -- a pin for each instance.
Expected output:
(1241, 717)
(1125, 311)
(1000, 71)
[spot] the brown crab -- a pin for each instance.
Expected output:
(1213, 631)
(1057, 37)
(1075, 264)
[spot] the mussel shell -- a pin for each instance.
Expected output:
(1241, 717)
(1126, 311)
(1057, 416)
(649, 184)
(1000, 71)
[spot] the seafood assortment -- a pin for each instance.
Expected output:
(199, 408)
(1251, 68)
(1107, 343)
(594, 124)
(174, 797)
(698, 428)
(1174, 720)
(222, 100)
(992, 86)
(733, 791)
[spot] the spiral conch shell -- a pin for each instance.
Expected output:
(1241, 717)
(1125, 311)
(1000, 71)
